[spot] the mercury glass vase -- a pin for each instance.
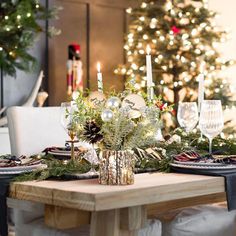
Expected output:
(116, 167)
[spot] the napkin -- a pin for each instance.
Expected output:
(230, 183)
(230, 177)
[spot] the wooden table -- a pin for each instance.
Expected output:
(118, 210)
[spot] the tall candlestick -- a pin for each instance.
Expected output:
(99, 78)
(201, 88)
(150, 90)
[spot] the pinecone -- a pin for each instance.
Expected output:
(92, 132)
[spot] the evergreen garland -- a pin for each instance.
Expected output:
(189, 142)
(149, 159)
(56, 169)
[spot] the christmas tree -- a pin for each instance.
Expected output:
(183, 38)
(19, 26)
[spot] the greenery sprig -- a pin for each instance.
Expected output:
(55, 169)
(191, 141)
(122, 131)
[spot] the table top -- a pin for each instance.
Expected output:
(90, 196)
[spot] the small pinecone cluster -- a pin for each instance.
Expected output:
(92, 132)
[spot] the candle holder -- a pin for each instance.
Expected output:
(116, 168)
(72, 148)
(150, 93)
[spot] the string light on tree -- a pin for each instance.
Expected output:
(181, 36)
(21, 21)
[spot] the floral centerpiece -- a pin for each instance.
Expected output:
(118, 124)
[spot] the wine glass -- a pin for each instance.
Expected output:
(187, 115)
(68, 123)
(91, 156)
(211, 120)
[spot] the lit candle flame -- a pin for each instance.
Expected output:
(99, 67)
(148, 49)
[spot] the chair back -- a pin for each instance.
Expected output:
(32, 129)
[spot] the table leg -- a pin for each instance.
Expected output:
(3, 209)
(133, 218)
(105, 223)
(123, 222)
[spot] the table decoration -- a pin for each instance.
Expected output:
(155, 158)
(135, 103)
(201, 88)
(96, 99)
(124, 122)
(56, 169)
(99, 78)
(150, 87)
(74, 70)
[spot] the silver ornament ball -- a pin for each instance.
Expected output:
(113, 103)
(107, 115)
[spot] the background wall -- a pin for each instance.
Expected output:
(17, 90)
(227, 19)
(99, 26)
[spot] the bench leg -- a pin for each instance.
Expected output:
(118, 222)
(105, 223)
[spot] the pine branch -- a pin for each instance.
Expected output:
(55, 169)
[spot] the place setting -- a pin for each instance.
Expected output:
(11, 165)
(211, 123)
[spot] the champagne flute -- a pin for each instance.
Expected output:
(187, 115)
(68, 123)
(211, 120)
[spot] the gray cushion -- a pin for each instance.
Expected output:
(202, 221)
(153, 229)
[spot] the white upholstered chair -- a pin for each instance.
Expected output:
(205, 220)
(32, 130)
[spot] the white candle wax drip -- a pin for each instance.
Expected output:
(150, 90)
(201, 88)
(99, 78)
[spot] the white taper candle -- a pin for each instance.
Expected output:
(150, 91)
(201, 88)
(99, 78)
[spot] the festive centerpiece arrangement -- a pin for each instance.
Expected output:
(117, 124)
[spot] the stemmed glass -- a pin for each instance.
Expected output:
(92, 157)
(187, 115)
(69, 124)
(211, 120)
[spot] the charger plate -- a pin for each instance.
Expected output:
(20, 169)
(222, 169)
(57, 152)
(188, 163)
